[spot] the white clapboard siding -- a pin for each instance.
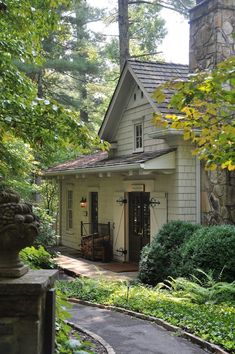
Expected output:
(135, 110)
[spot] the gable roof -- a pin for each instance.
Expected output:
(100, 161)
(147, 75)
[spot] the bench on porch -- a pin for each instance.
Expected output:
(96, 242)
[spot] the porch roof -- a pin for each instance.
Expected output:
(100, 161)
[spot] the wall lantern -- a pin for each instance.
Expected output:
(83, 203)
(121, 201)
(154, 202)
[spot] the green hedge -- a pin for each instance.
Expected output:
(180, 248)
(211, 249)
(161, 257)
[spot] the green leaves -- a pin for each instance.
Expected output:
(34, 126)
(206, 106)
(211, 322)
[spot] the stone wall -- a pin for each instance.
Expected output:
(212, 25)
(218, 197)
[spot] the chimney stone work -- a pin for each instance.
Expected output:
(212, 29)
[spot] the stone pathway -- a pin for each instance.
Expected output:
(69, 260)
(129, 335)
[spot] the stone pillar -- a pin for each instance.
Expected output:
(27, 313)
(27, 300)
(212, 26)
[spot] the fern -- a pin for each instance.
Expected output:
(199, 291)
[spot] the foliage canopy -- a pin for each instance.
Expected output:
(206, 106)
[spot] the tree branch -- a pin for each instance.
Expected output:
(160, 3)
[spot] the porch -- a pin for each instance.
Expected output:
(70, 261)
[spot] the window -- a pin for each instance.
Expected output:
(94, 211)
(138, 137)
(69, 223)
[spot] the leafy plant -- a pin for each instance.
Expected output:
(37, 258)
(65, 342)
(162, 257)
(47, 235)
(206, 113)
(211, 249)
(200, 291)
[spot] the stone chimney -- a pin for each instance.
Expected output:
(212, 26)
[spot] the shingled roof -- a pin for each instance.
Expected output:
(153, 74)
(101, 160)
(148, 75)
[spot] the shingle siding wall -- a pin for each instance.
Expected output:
(136, 110)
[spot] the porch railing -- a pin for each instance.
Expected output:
(96, 241)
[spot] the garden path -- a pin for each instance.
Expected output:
(129, 335)
(68, 259)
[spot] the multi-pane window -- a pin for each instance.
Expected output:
(138, 136)
(69, 209)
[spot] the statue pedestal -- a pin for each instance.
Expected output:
(11, 265)
(27, 313)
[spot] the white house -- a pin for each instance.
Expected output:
(149, 176)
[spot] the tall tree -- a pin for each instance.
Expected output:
(42, 124)
(123, 25)
(73, 60)
(127, 19)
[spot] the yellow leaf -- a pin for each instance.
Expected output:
(187, 135)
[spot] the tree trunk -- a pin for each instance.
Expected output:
(83, 110)
(123, 24)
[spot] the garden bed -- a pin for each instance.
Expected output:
(213, 323)
(86, 336)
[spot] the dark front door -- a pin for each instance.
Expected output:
(139, 224)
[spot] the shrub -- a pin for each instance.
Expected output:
(37, 258)
(162, 257)
(211, 249)
(47, 236)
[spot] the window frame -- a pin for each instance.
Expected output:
(69, 209)
(139, 136)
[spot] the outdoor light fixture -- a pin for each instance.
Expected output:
(154, 202)
(83, 203)
(121, 201)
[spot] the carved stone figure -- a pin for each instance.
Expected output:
(18, 229)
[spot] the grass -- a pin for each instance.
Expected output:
(210, 321)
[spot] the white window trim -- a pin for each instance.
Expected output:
(135, 123)
(68, 228)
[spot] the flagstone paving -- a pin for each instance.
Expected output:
(70, 261)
